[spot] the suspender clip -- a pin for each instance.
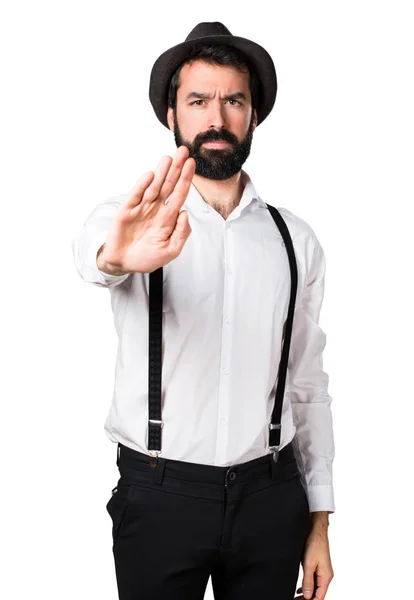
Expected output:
(153, 461)
(275, 451)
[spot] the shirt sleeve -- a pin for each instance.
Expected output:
(89, 239)
(313, 443)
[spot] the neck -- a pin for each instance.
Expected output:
(224, 195)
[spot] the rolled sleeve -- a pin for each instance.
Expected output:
(90, 238)
(313, 443)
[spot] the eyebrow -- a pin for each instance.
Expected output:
(235, 96)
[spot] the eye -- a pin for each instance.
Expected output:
(229, 100)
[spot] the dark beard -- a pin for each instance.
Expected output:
(215, 163)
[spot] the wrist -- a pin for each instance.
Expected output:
(106, 267)
(319, 519)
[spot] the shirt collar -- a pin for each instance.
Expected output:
(196, 203)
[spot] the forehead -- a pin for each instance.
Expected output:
(201, 76)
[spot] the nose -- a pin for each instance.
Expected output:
(215, 116)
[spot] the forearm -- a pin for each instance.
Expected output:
(319, 520)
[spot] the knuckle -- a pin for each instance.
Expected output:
(151, 191)
(169, 181)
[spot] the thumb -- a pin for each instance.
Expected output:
(307, 584)
(181, 232)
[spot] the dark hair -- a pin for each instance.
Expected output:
(216, 55)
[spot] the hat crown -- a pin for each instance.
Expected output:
(205, 29)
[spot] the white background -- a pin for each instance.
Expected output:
(337, 150)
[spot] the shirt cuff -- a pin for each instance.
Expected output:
(320, 497)
(85, 250)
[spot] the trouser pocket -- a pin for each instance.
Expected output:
(118, 506)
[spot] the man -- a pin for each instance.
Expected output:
(212, 481)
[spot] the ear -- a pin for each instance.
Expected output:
(170, 118)
(255, 119)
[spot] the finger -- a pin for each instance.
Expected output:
(138, 190)
(321, 592)
(174, 172)
(182, 187)
(180, 234)
(152, 192)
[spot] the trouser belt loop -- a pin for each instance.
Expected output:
(159, 470)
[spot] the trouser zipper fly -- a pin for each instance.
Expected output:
(224, 505)
(225, 480)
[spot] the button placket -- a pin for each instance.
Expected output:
(224, 382)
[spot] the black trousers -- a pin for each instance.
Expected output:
(177, 524)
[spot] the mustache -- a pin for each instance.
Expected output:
(215, 136)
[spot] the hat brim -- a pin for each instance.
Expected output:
(259, 59)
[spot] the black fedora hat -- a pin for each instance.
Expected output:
(213, 33)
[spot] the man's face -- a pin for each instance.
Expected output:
(198, 120)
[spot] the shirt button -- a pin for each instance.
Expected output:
(224, 420)
(227, 320)
(226, 371)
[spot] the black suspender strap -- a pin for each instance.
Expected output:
(155, 422)
(275, 424)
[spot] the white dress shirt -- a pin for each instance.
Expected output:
(225, 303)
